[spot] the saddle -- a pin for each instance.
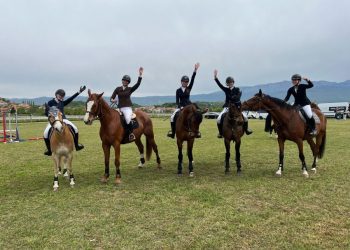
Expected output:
(70, 129)
(134, 125)
(305, 118)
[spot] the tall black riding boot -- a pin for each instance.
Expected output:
(171, 133)
(47, 143)
(220, 129)
(76, 142)
(247, 130)
(312, 126)
(130, 132)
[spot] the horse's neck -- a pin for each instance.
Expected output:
(280, 114)
(107, 114)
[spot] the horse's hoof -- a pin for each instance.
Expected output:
(159, 167)
(59, 173)
(118, 181)
(191, 174)
(179, 174)
(55, 189)
(278, 173)
(305, 174)
(66, 175)
(141, 165)
(104, 179)
(227, 172)
(239, 173)
(313, 170)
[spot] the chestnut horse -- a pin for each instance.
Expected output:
(112, 132)
(187, 128)
(62, 145)
(232, 130)
(290, 126)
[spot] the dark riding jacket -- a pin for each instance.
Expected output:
(232, 95)
(183, 97)
(124, 99)
(60, 104)
(299, 95)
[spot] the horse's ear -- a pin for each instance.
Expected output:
(100, 95)
(260, 92)
(89, 92)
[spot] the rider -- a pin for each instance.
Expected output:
(299, 92)
(183, 99)
(60, 104)
(232, 94)
(124, 102)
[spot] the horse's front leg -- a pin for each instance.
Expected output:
(302, 159)
(118, 175)
(227, 155)
(56, 160)
(180, 157)
(238, 156)
(106, 152)
(70, 169)
(281, 156)
(314, 150)
(190, 157)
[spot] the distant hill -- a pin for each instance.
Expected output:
(322, 92)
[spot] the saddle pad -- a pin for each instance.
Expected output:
(317, 119)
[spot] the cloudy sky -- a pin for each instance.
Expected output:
(50, 44)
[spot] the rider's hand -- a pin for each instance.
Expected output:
(196, 66)
(82, 88)
(306, 79)
(215, 73)
(113, 100)
(140, 71)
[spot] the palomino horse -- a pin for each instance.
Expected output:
(290, 126)
(232, 130)
(187, 128)
(62, 145)
(112, 132)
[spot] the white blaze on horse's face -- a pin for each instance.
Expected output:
(87, 119)
(58, 125)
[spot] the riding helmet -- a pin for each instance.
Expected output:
(126, 78)
(60, 92)
(185, 79)
(230, 80)
(296, 77)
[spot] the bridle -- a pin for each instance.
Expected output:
(98, 114)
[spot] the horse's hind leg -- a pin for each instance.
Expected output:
(56, 160)
(302, 159)
(180, 157)
(151, 144)
(106, 151)
(190, 157)
(238, 156)
(141, 150)
(227, 156)
(118, 175)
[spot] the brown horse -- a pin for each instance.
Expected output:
(290, 126)
(187, 129)
(112, 132)
(62, 144)
(232, 130)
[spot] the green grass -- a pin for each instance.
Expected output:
(156, 209)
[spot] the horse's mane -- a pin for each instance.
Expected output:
(281, 103)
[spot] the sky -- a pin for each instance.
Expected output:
(51, 44)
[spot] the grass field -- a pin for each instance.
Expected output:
(156, 209)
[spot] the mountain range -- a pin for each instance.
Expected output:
(323, 91)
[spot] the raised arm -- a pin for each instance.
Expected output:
(309, 83)
(133, 88)
(66, 102)
(196, 66)
(217, 81)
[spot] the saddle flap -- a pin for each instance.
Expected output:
(304, 117)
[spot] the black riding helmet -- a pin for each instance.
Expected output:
(126, 78)
(60, 92)
(185, 79)
(230, 80)
(296, 77)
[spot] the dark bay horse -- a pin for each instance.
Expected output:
(290, 126)
(112, 132)
(232, 130)
(187, 128)
(62, 145)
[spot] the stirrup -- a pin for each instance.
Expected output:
(199, 135)
(79, 147)
(48, 153)
(248, 131)
(220, 136)
(131, 137)
(313, 132)
(170, 134)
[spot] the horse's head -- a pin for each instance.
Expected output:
(193, 117)
(93, 107)
(235, 112)
(254, 103)
(55, 119)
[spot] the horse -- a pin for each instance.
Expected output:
(112, 133)
(290, 126)
(232, 130)
(62, 145)
(187, 129)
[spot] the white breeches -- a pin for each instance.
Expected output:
(127, 112)
(173, 115)
(47, 129)
(220, 115)
(225, 110)
(308, 111)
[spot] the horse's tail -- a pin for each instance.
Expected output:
(322, 146)
(315, 106)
